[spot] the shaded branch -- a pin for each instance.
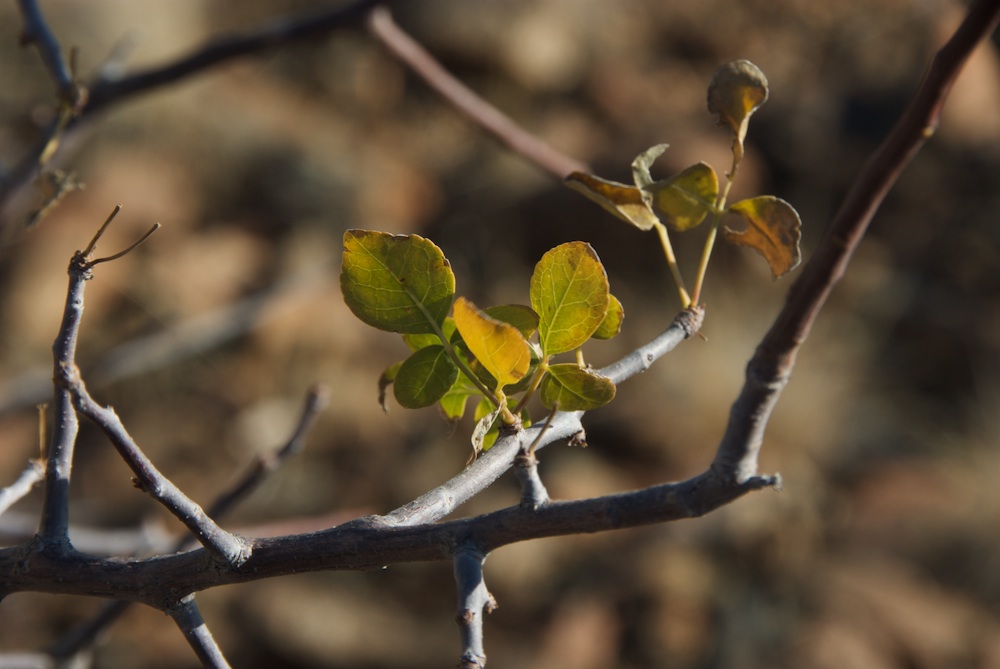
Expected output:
(36, 32)
(771, 366)
(191, 624)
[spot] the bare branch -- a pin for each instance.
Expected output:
(478, 110)
(37, 32)
(771, 366)
(474, 600)
(28, 479)
(190, 622)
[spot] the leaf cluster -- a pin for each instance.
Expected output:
(459, 352)
(685, 200)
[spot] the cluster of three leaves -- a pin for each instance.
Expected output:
(404, 284)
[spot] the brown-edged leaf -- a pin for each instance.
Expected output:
(773, 230)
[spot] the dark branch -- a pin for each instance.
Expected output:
(36, 31)
(771, 366)
(190, 622)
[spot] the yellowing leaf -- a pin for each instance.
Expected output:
(424, 378)
(575, 389)
(569, 291)
(612, 323)
(737, 90)
(773, 230)
(625, 202)
(498, 346)
(642, 163)
(398, 283)
(685, 199)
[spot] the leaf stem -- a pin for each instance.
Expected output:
(536, 381)
(668, 251)
(717, 211)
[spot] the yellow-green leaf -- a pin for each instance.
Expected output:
(685, 199)
(569, 292)
(737, 90)
(612, 323)
(424, 378)
(398, 283)
(575, 388)
(625, 202)
(773, 230)
(642, 163)
(498, 346)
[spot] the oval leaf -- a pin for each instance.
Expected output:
(774, 230)
(424, 378)
(569, 291)
(454, 401)
(685, 199)
(398, 283)
(498, 346)
(625, 202)
(575, 389)
(737, 90)
(612, 323)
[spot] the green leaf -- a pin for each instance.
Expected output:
(685, 199)
(520, 316)
(774, 230)
(415, 342)
(397, 283)
(612, 323)
(569, 291)
(424, 378)
(384, 381)
(454, 401)
(737, 90)
(575, 388)
(642, 163)
(625, 202)
(498, 346)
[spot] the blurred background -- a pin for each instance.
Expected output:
(880, 552)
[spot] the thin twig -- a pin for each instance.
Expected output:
(478, 110)
(29, 478)
(36, 31)
(191, 624)
(474, 600)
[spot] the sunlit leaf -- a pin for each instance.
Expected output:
(520, 316)
(625, 202)
(612, 323)
(398, 283)
(569, 291)
(685, 199)
(384, 381)
(642, 163)
(575, 388)
(498, 346)
(737, 90)
(773, 230)
(424, 378)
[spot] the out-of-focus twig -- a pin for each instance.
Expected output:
(473, 106)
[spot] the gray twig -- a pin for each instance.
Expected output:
(28, 479)
(474, 600)
(191, 624)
